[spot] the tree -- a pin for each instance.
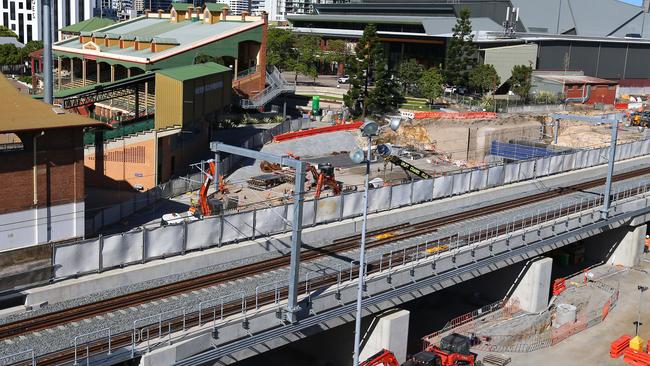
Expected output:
(461, 54)
(337, 52)
(385, 97)
(362, 68)
(483, 78)
(6, 32)
(520, 81)
(280, 48)
(307, 56)
(9, 55)
(409, 74)
(431, 84)
(203, 58)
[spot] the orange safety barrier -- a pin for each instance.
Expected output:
(316, 131)
(606, 308)
(636, 358)
(618, 346)
(559, 285)
(621, 106)
(449, 115)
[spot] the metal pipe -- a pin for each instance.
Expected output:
(296, 242)
(362, 259)
(46, 14)
(610, 171)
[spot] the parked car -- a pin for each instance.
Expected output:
(449, 89)
(344, 79)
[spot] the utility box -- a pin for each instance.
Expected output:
(189, 94)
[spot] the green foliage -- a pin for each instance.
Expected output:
(280, 51)
(409, 74)
(308, 54)
(337, 51)
(6, 32)
(386, 96)
(12, 55)
(203, 58)
(546, 97)
(461, 54)
(483, 78)
(430, 84)
(520, 81)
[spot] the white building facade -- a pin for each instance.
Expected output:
(24, 18)
(278, 9)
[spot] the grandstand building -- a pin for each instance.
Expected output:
(607, 39)
(163, 81)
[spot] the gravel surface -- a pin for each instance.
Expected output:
(62, 337)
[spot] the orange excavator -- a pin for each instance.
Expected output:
(454, 350)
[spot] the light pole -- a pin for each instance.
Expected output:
(637, 323)
(368, 129)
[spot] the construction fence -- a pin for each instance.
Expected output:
(144, 244)
(97, 219)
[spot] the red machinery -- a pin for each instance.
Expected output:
(324, 177)
(381, 358)
(206, 210)
(454, 350)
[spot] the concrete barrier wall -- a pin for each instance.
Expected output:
(132, 247)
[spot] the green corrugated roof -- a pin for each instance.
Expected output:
(88, 25)
(193, 71)
(181, 6)
(161, 40)
(216, 6)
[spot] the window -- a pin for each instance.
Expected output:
(21, 27)
(29, 17)
(81, 9)
(12, 10)
(29, 5)
(5, 18)
(30, 37)
(5, 5)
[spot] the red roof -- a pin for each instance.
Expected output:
(639, 83)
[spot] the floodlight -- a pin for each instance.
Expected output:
(384, 150)
(369, 128)
(357, 156)
(394, 123)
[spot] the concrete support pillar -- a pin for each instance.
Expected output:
(99, 72)
(146, 98)
(58, 73)
(71, 70)
(629, 251)
(112, 73)
(169, 355)
(128, 72)
(387, 332)
(236, 69)
(533, 290)
(83, 72)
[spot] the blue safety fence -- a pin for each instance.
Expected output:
(514, 151)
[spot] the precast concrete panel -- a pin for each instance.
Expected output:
(542, 167)
(401, 195)
(569, 162)
(422, 190)
(556, 164)
(126, 208)
(121, 249)
(442, 186)
(308, 214)
(603, 155)
(204, 233)
(270, 220)
(511, 173)
(593, 157)
(584, 56)
(478, 180)
(379, 199)
(112, 215)
(461, 182)
(527, 169)
(637, 66)
(237, 226)
(637, 149)
(612, 61)
(581, 159)
(328, 209)
(552, 55)
(626, 151)
(646, 147)
(495, 175)
(78, 258)
(352, 204)
(163, 241)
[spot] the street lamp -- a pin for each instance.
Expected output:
(637, 323)
(368, 129)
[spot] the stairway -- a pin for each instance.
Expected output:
(276, 85)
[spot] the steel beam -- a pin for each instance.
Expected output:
(296, 226)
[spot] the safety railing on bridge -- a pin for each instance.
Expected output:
(144, 244)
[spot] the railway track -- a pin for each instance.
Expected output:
(378, 238)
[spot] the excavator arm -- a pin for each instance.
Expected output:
(381, 358)
(408, 168)
(203, 193)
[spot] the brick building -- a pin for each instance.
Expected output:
(42, 171)
(576, 87)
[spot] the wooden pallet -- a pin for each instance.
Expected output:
(497, 360)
